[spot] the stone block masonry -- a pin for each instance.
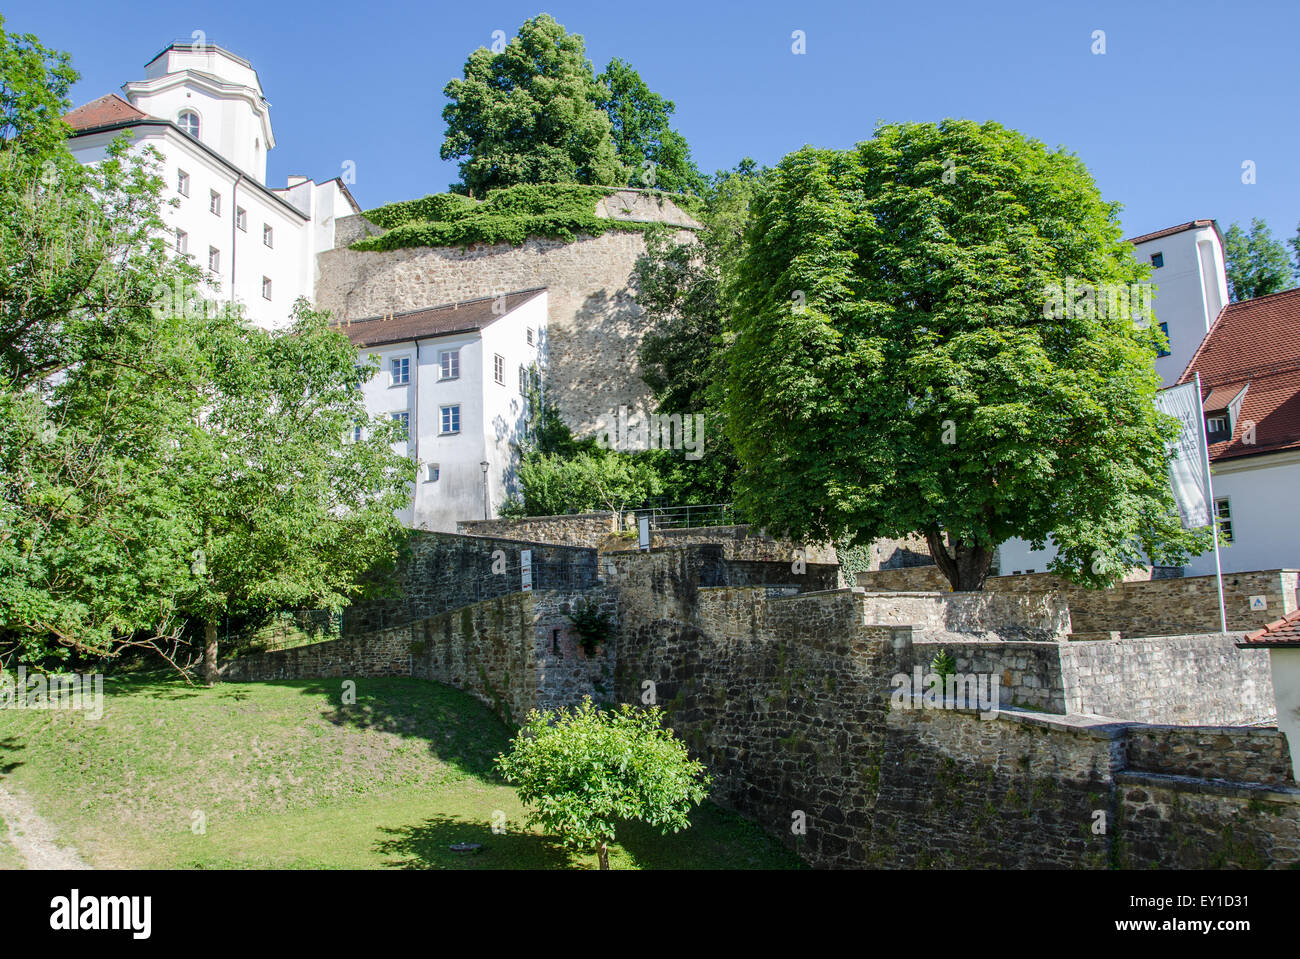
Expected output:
(1153, 607)
(514, 653)
(594, 324)
(443, 571)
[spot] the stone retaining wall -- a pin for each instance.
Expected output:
(444, 571)
(1169, 679)
(514, 653)
(1153, 607)
(1033, 617)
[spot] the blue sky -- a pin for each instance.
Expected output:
(1185, 92)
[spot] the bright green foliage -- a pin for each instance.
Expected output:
(529, 114)
(582, 771)
(593, 479)
(655, 155)
(682, 287)
(287, 510)
(1257, 264)
(559, 211)
(894, 371)
(157, 456)
(91, 383)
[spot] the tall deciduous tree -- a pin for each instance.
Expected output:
(528, 114)
(898, 364)
(1257, 264)
(288, 510)
(655, 155)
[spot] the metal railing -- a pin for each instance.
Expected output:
(689, 517)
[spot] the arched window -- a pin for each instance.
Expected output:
(189, 122)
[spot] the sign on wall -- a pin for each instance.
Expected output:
(526, 570)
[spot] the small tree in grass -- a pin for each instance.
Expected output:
(581, 771)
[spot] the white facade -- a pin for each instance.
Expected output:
(1284, 663)
(1262, 495)
(203, 109)
(1191, 289)
(490, 414)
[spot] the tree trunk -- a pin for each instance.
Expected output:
(210, 674)
(602, 856)
(965, 565)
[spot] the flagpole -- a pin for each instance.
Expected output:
(1214, 517)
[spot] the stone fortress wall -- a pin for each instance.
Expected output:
(783, 685)
(595, 325)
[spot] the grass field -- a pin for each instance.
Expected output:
(283, 775)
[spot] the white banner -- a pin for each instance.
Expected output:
(526, 569)
(1187, 469)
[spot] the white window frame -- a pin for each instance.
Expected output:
(1223, 514)
(404, 417)
(404, 364)
(266, 287)
(432, 471)
(241, 219)
(214, 203)
(530, 336)
(1217, 418)
(182, 243)
(198, 122)
(182, 182)
(214, 260)
(499, 369)
(268, 236)
(448, 364)
(449, 415)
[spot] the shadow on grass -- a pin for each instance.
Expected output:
(427, 846)
(717, 839)
(8, 746)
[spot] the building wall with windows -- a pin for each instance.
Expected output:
(1257, 499)
(203, 110)
(458, 416)
(1191, 289)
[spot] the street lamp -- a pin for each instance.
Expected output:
(484, 466)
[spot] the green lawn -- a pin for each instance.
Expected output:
(9, 858)
(283, 775)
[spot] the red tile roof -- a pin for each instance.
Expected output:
(107, 109)
(1256, 343)
(1170, 231)
(464, 317)
(1280, 632)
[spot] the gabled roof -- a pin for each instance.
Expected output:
(1170, 231)
(105, 111)
(1280, 632)
(466, 316)
(1254, 343)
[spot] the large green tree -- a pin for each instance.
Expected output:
(158, 457)
(903, 361)
(655, 155)
(90, 381)
(289, 510)
(1257, 264)
(529, 114)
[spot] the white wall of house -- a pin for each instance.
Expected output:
(1285, 665)
(235, 124)
(491, 415)
(1191, 289)
(1263, 494)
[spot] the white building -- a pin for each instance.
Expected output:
(1248, 358)
(203, 109)
(459, 377)
(1188, 269)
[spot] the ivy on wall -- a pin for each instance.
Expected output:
(561, 211)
